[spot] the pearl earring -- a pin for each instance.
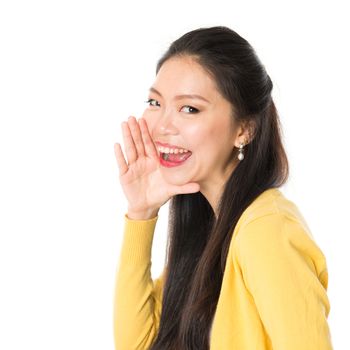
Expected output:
(240, 154)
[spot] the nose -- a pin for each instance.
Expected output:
(165, 125)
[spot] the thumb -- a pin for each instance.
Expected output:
(191, 187)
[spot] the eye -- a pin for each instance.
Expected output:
(192, 110)
(151, 101)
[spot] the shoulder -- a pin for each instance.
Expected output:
(274, 204)
(273, 228)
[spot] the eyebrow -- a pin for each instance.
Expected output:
(179, 97)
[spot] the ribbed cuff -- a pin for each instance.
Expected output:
(138, 239)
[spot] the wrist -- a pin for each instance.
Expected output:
(142, 215)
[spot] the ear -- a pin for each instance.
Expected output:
(245, 133)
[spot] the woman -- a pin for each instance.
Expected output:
(242, 268)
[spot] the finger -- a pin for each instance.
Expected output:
(136, 135)
(122, 165)
(129, 145)
(151, 149)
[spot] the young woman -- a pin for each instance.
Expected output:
(242, 268)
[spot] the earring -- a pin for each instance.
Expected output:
(240, 154)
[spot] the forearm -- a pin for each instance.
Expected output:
(134, 304)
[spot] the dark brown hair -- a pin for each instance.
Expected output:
(198, 242)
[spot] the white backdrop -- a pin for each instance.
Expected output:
(70, 73)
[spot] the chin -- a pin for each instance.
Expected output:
(177, 179)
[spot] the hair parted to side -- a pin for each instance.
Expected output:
(198, 242)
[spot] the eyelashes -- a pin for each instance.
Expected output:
(152, 100)
(149, 101)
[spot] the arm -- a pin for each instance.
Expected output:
(137, 300)
(286, 274)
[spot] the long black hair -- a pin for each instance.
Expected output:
(198, 241)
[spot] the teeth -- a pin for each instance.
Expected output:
(171, 150)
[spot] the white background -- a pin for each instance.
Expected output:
(70, 73)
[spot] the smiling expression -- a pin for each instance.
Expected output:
(186, 110)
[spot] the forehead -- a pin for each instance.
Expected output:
(184, 75)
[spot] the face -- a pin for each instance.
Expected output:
(204, 127)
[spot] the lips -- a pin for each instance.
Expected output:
(175, 158)
(172, 160)
(169, 145)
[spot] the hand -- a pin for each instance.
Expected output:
(140, 177)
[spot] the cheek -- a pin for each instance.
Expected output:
(211, 141)
(150, 122)
(145, 116)
(193, 134)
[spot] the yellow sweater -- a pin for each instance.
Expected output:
(274, 288)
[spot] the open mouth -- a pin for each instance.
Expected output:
(171, 155)
(175, 158)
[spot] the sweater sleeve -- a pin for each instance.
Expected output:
(286, 274)
(137, 300)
